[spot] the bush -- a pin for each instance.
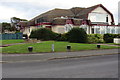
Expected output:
(77, 35)
(108, 38)
(95, 38)
(62, 37)
(43, 34)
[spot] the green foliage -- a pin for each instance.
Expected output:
(62, 37)
(108, 38)
(43, 34)
(77, 35)
(6, 26)
(95, 38)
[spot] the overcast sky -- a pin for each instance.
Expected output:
(28, 9)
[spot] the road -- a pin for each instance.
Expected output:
(88, 67)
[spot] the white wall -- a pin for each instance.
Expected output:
(99, 15)
(58, 29)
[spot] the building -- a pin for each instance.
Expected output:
(95, 19)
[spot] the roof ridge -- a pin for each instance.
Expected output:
(94, 6)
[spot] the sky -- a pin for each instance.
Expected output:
(119, 12)
(28, 9)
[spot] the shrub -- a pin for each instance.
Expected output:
(62, 37)
(77, 35)
(108, 38)
(95, 38)
(43, 34)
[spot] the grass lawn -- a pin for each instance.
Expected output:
(46, 47)
(11, 41)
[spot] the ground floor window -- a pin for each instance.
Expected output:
(105, 29)
(102, 29)
(117, 30)
(96, 29)
(113, 30)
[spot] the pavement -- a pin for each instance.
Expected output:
(89, 67)
(10, 58)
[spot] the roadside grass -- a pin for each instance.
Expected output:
(113, 43)
(46, 47)
(4, 42)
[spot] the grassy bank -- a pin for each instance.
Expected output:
(4, 42)
(46, 47)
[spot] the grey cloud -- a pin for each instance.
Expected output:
(28, 9)
(119, 12)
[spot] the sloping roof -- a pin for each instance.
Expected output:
(59, 21)
(83, 14)
(77, 22)
(75, 12)
(55, 13)
(60, 12)
(63, 21)
(23, 23)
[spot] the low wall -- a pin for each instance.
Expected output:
(117, 40)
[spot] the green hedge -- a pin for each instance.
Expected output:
(43, 34)
(95, 38)
(77, 35)
(108, 38)
(62, 37)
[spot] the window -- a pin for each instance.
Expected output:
(97, 29)
(92, 30)
(98, 17)
(117, 30)
(102, 29)
(107, 29)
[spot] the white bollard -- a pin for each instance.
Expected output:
(53, 48)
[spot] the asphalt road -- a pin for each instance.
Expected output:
(90, 67)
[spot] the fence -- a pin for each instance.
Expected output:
(11, 36)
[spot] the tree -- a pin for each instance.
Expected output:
(15, 22)
(43, 34)
(6, 26)
(77, 35)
